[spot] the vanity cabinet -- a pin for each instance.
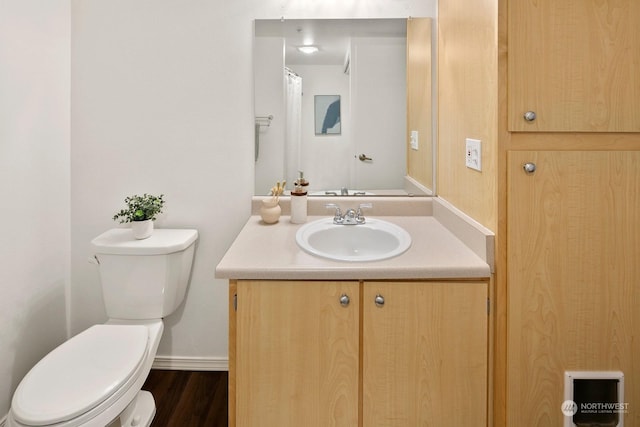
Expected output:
(573, 63)
(424, 354)
(349, 353)
(296, 353)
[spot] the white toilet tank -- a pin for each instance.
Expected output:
(144, 279)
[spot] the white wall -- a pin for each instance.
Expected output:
(270, 101)
(34, 184)
(159, 107)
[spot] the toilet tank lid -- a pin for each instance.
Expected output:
(120, 241)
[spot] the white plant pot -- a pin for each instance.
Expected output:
(142, 229)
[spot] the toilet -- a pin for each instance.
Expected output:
(95, 378)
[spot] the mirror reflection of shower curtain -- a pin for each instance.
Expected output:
(293, 134)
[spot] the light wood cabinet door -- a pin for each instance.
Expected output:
(575, 64)
(296, 354)
(573, 280)
(425, 354)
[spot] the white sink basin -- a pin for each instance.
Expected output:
(372, 241)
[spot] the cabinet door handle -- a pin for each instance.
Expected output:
(529, 168)
(530, 116)
(379, 300)
(345, 300)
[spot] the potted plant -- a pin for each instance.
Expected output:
(141, 211)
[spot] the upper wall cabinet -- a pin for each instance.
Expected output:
(574, 65)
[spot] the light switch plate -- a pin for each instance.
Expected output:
(473, 154)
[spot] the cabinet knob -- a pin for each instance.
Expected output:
(530, 116)
(529, 168)
(379, 300)
(345, 300)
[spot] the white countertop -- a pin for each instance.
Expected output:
(270, 252)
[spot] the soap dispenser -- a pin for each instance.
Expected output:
(299, 200)
(302, 182)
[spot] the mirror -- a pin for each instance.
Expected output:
(370, 80)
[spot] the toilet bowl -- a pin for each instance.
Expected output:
(95, 378)
(90, 379)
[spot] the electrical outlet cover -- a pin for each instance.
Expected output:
(473, 154)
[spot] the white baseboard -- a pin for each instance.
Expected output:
(190, 363)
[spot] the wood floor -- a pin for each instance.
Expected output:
(188, 398)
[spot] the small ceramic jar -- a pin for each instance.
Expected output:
(270, 210)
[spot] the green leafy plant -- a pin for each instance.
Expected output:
(140, 208)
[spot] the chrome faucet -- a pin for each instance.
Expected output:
(351, 216)
(344, 191)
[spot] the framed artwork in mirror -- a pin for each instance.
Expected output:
(327, 114)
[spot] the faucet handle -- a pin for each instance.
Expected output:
(359, 218)
(337, 218)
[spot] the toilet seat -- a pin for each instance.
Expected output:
(80, 374)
